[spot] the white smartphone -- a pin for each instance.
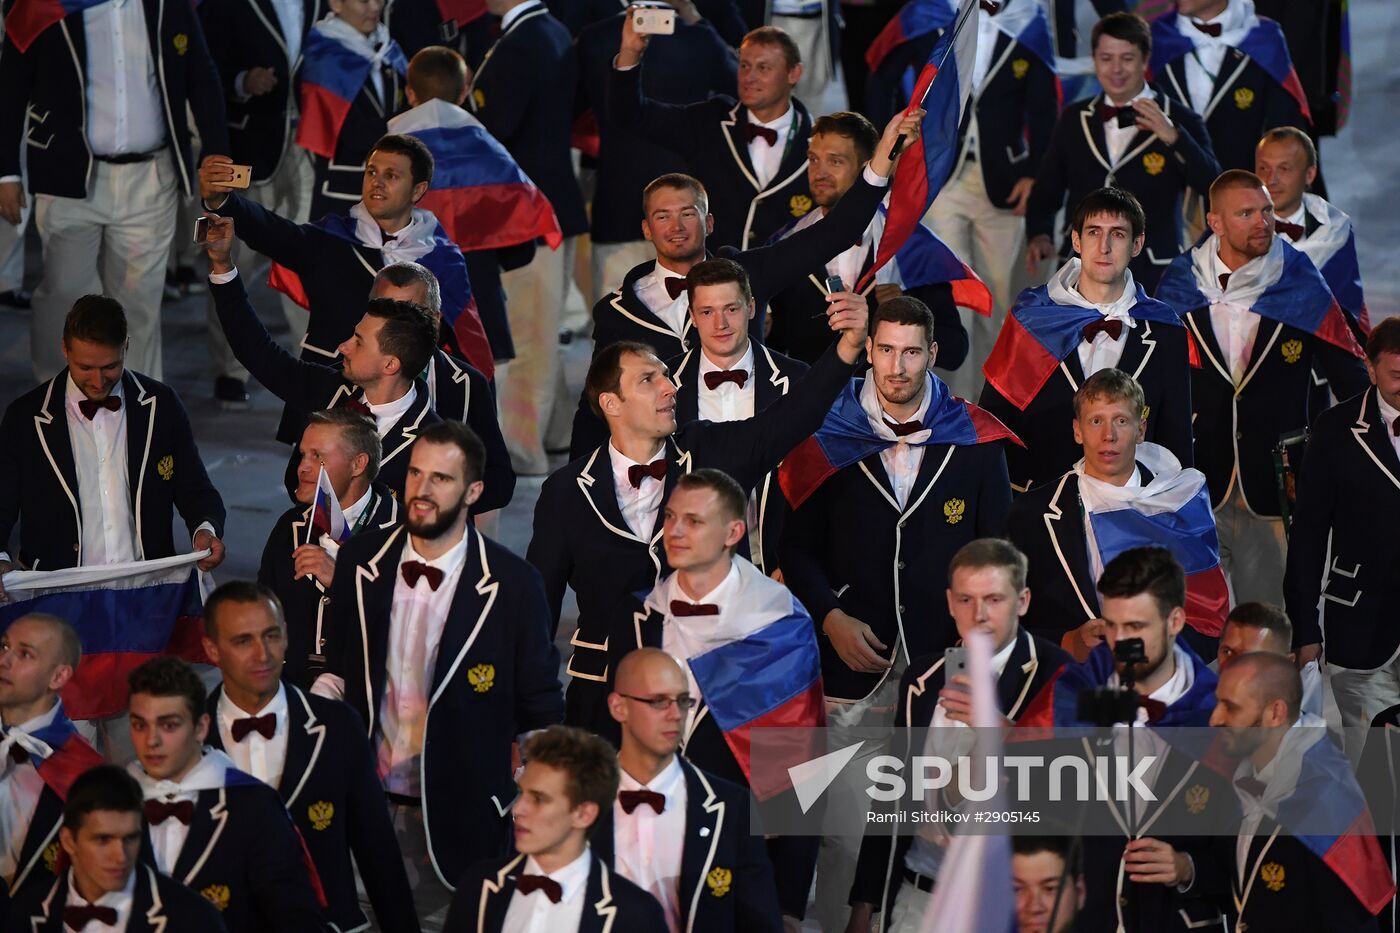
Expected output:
(654, 21)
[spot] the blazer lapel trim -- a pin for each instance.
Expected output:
(1028, 670)
(312, 728)
(1165, 802)
(1242, 899)
(776, 377)
(917, 688)
(409, 432)
(1206, 345)
(369, 573)
(218, 815)
(1259, 356)
(1362, 432)
(713, 806)
(996, 65)
(932, 481)
(490, 886)
(1085, 117)
(38, 852)
(729, 125)
(1149, 346)
(42, 421)
(1176, 78)
(884, 488)
(586, 482)
(687, 393)
(51, 902)
(1224, 85)
(660, 328)
(274, 29)
(146, 402)
(155, 916)
(604, 908)
(1051, 518)
(1103, 789)
(488, 589)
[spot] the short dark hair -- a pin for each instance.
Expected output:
(1281, 134)
(239, 591)
(1385, 338)
(852, 126)
(409, 333)
(605, 372)
(457, 434)
(1273, 677)
(681, 182)
(772, 35)
(404, 274)
(357, 432)
(1055, 845)
(104, 787)
(1115, 202)
(1150, 570)
(588, 761)
(168, 676)
(70, 645)
(734, 502)
(1264, 616)
(1233, 178)
(420, 157)
(437, 73)
(717, 272)
(1127, 27)
(903, 309)
(96, 319)
(992, 552)
(1113, 385)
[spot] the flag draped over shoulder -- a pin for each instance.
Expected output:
(1057, 704)
(916, 18)
(1263, 43)
(847, 436)
(1172, 511)
(124, 614)
(331, 77)
(57, 752)
(27, 19)
(482, 198)
(1332, 248)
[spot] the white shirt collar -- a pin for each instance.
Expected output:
(1063, 289)
(514, 13)
(1297, 217)
(73, 395)
(1003, 657)
(1387, 412)
(666, 783)
(120, 901)
(621, 462)
(352, 514)
(572, 877)
(1180, 681)
(277, 706)
(390, 412)
(1236, 15)
(207, 774)
(779, 123)
(716, 596)
(745, 363)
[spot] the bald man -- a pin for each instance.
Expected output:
(1287, 766)
(673, 824)
(38, 655)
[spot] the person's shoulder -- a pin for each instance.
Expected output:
(1037, 498)
(363, 547)
(491, 869)
(251, 799)
(336, 714)
(38, 397)
(640, 911)
(502, 560)
(183, 903)
(780, 362)
(1050, 655)
(1342, 416)
(570, 473)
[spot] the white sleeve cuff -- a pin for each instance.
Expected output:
(7, 179)
(616, 67)
(1183, 888)
(223, 278)
(330, 686)
(879, 181)
(204, 526)
(239, 90)
(5, 556)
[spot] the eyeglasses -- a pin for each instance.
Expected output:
(684, 702)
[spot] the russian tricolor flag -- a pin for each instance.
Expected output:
(332, 75)
(461, 12)
(846, 436)
(326, 517)
(925, 163)
(1173, 511)
(124, 613)
(27, 19)
(1264, 44)
(1332, 248)
(1038, 334)
(916, 18)
(924, 259)
(480, 195)
(57, 752)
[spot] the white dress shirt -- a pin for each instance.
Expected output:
(727, 401)
(1235, 325)
(123, 99)
(1390, 416)
(767, 159)
(20, 788)
(415, 630)
(168, 837)
(263, 758)
(99, 458)
(647, 845)
(388, 414)
(290, 14)
(120, 901)
(1298, 217)
(1117, 137)
(536, 913)
(1205, 61)
(651, 291)
(902, 461)
(639, 504)
(1104, 352)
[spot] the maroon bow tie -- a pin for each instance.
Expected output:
(906, 428)
(1114, 329)
(632, 799)
(1394, 429)
(991, 9)
(1211, 29)
(158, 811)
(656, 470)
(1251, 786)
(265, 726)
(713, 380)
(1156, 709)
(414, 570)
(529, 884)
(675, 286)
(683, 609)
(1294, 231)
(753, 131)
(1107, 113)
(357, 406)
(78, 917)
(1224, 280)
(89, 407)
(19, 756)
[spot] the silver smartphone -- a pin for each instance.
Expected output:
(954, 663)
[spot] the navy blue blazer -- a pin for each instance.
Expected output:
(159, 904)
(39, 482)
(331, 789)
(1077, 162)
(242, 854)
(305, 602)
(45, 87)
(339, 181)
(1350, 478)
(1156, 355)
(581, 541)
(244, 34)
(38, 864)
(710, 133)
(717, 838)
(611, 903)
(845, 544)
(622, 315)
(496, 677)
(523, 91)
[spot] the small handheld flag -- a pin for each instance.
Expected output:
(326, 517)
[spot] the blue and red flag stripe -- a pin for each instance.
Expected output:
(916, 18)
(1264, 44)
(331, 78)
(27, 19)
(924, 259)
(71, 756)
(1342, 273)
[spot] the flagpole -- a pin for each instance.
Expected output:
(963, 17)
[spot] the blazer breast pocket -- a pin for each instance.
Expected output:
(1343, 582)
(1013, 156)
(30, 139)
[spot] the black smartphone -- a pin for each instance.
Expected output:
(201, 230)
(834, 284)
